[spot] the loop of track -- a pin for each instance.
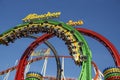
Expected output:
(66, 32)
(100, 38)
(73, 39)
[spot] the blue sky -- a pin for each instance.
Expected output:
(101, 16)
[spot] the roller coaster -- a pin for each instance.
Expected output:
(73, 37)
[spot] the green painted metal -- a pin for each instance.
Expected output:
(86, 65)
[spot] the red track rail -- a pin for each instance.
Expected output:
(27, 53)
(111, 48)
(100, 38)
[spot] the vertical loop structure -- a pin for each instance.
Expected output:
(75, 42)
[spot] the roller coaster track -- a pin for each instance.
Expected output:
(34, 60)
(31, 61)
(43, 57)
(111, 48)
(105, 43)
(71, 36)
(54, 52)
(65, 32)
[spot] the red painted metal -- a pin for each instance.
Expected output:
(30, 61)
(104, 41)
(100, 38)
(97, 71)
(27, 53)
